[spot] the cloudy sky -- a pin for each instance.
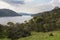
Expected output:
(29, 6)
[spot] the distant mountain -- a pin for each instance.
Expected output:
(7, 13)
(26, 14)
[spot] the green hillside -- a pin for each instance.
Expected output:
(43, 26)
(43, 36)
(46, 21)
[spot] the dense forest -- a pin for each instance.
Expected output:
(41, 22)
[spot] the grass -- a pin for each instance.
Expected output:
(41, 36)
(4, 39)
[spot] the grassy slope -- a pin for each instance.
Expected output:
(41, 36)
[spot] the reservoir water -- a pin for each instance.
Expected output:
(17, 19)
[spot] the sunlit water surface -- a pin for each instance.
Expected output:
(17, 19)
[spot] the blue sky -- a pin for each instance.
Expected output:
(29, 6)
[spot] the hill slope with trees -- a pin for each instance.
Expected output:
(46, 21)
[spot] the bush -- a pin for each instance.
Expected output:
(51, 34)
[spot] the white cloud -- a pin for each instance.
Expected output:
(28, 1)
(55, 3)
(31, 8)
(4, 5)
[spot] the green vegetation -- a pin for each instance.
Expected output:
(42, 25)
(46, 21)
(13, 31)
(43, 36)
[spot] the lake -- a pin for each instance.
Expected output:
(17, 19)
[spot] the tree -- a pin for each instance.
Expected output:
(2, 28)
(10, 24)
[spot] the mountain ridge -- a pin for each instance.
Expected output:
(56, 9)
(8, 13)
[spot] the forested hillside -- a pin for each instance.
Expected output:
(46, 21)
